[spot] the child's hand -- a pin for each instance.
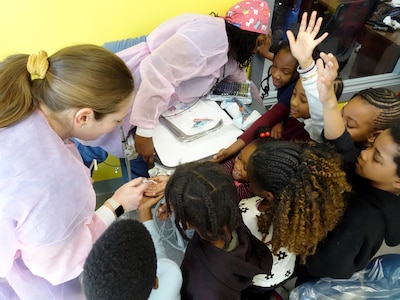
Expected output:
(221, 155)
(225, 153)
(327, 67)
(264, 45)
(276, 131)
(304, 44)
(156, 189)
(144, 209)
(162, 212)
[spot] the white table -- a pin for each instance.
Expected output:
(173, 152)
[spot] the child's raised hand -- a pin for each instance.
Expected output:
(327, 67)
(304, 44)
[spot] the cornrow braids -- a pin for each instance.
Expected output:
(308, 185)
(203, 195)
(387, 101)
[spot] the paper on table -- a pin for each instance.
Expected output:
(173, 152)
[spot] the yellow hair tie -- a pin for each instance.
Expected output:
(37, 65)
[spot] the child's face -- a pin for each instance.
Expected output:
(239, 171)
(359, 117)
(299, 103)
(376, 163)
(283, 68)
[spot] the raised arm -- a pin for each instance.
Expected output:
(303, 45)
(327, 72)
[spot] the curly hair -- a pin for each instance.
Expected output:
(308, 185)
(122, 263)
(387, 101)
(241, 44)
(203, 194)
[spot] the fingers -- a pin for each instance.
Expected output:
(303, 23)
(330, 61)
(162, 213)
(151, 201)
(148, 158)
(321, 38)
(291, 38)
(135, 182)
(311, 23)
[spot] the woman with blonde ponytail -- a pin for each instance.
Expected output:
(47, 202)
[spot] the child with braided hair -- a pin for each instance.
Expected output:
(371, 215)
(369, 112)
(223, 260)
(284, 77)
(301, 191)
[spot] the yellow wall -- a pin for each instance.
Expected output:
(32, 25)
(28, 26)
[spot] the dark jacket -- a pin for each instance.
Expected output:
(372, 216)
(212, 273)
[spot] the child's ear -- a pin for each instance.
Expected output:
(373, 135)
(268, 196)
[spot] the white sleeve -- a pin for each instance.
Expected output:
(106, 215)
(155, 236)
(315, 124)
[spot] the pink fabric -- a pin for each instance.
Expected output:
(180, 61)
(47, 218)
(250, 15)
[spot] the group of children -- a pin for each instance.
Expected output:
(310, 205)
(317, 197)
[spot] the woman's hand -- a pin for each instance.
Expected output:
(130, 194)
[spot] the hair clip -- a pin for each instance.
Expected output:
(263, 132)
